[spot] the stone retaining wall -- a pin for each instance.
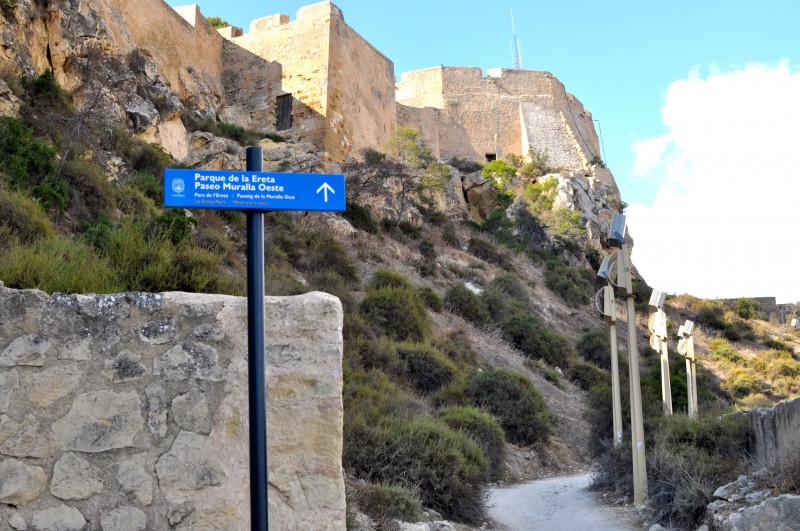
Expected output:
(130, 411)
(774, 430)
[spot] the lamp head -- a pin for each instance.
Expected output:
(688, 327)
(605, 268)
(617, 234)
(657, 298)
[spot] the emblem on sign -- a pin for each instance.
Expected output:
(178, 186)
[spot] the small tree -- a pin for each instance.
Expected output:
(409, 162)
(406, 148)
(217, 22)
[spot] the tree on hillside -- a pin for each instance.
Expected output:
(409, 169)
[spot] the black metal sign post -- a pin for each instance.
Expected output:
(255, 192)
(256, 367)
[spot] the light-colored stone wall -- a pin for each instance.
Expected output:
(775, 431)
(343, 88)
(361, 101)
(504, 112)
(130, 411)
(290, 58)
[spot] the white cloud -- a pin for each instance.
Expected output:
(725, 222)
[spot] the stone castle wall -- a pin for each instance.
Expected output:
(361, 100)
(505, 112)
(342, 87)
(130, 411)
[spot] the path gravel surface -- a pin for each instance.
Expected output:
(561, 503)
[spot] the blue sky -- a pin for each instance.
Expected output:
(628, 62)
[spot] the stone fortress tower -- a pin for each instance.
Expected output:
(317, 79)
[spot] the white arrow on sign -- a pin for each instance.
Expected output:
(326, 188)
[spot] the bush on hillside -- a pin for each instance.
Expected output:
(574, 285)
(57, 263)
(489, 252)
(361, 218)
(482, 428)
(24, 217)
(513, 399)
(586, 375)
(595, 347)
(690, 458)
(385, 503)
(431, 299)
(749, 309)
(528, 333)
(29, 164)
(397, 312)
(387, 440)
(425, 367)
(459, 300)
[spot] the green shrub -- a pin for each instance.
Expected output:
(431, 299)
(234, 132)
(58, 264)
(511, 285)
(386, 440)
(385, 503)
(426, 367)
(26, 161)
(749, 309)
(595, 347)
(514, 400)
(90, 192)
(574, 285)
(331, 282)
(138, 154)
(585, 375)
(386, 278)
(44, 91)
(366, 353)
(689, 460)
(538, 165)
(23, 217)
(499, 304)
(397, 312)
(528, 333)
(500, 174)
(314, 252)
(742, 382)
(504, 296)
(457, 346)
(150, 185)
(175, 224)
(361, 218)
(409, 229)
(482, 428)
(721, 349)
(450, 237)
(488, 252)
(461, 301)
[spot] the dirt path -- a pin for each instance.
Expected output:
(562, 503)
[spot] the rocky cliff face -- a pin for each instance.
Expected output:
(146, 66)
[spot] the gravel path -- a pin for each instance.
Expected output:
(561, 503)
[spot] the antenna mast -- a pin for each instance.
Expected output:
(515, 48)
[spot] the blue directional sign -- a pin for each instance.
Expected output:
(249, 190)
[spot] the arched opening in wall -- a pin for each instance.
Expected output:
(491, 156)
(284, 112)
